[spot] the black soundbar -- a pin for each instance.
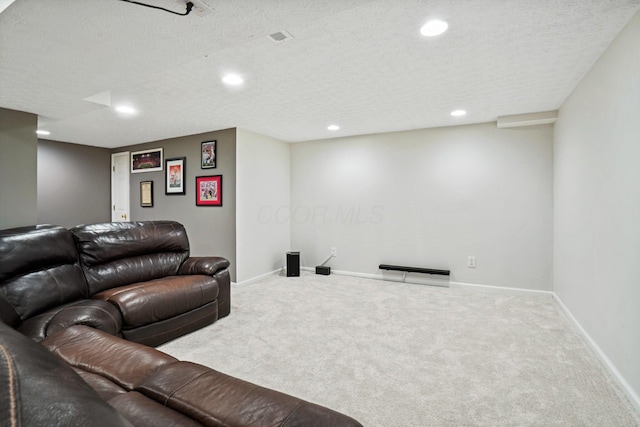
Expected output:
(414, 269)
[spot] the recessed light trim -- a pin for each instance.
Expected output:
(126, 109)
(43, 132)
(458, 113)
(233, 80)
(433, 28)
(333, 127)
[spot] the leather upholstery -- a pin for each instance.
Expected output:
(160, 332)
(151, 388)
(144, 303)
(39, 270)
(95, 313)
(121, 253)
(39, 390)
(134, 280)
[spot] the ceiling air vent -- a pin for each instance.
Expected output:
(280, 36)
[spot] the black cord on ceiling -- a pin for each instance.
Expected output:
(189, 7)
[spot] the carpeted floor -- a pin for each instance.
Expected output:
(393, 354)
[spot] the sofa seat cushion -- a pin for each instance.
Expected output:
(160, 299)
(95, 313)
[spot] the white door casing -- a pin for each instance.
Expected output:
(120, 187)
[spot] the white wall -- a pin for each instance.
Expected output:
(263, 187)
(429, 198)
(597, 203)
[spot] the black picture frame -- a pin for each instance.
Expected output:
(175, 173)
(146, 194)
(209, 190)
(208, 154)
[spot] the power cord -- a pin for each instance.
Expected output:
(189, 7)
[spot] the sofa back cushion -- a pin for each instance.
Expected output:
(120, 253)
(39, 269)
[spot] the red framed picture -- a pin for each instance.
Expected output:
(209, 190)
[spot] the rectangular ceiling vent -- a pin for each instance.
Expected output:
(280, 36)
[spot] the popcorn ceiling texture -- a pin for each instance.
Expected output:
(359, 63)
(394, 354)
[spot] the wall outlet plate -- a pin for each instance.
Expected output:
(471, 262)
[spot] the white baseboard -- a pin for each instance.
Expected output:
(500, 289)
(631, 394)
(258, 278)
(390, 277)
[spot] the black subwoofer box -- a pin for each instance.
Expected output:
(293, 264)
(321, 269)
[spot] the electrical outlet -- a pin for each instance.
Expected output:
(471, 261)
(334, 251)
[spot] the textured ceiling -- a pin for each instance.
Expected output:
(361, 64)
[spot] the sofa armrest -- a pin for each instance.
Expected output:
(203, 265)
(213, 398)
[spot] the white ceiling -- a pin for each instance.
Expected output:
(361, 64)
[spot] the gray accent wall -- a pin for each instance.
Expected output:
(18, 169)
(597, 206)
(211, 230)
(74, 183)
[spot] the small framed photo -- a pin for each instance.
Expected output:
(146, 161)
(209, 190)
(174, 176)
(208, 154)
(146, 194)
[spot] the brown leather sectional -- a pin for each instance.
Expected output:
(134, 280)
(95, 297)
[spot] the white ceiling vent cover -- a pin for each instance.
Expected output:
(280, 36)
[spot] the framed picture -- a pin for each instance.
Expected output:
(209, 190)
(174, 175)
(146, 194)
(146, 161)
(208, 154)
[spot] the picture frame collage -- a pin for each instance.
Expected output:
(208, 191)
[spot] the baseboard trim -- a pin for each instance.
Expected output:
(388, 277)
(258, 278)
(631, 394)
(500, 289)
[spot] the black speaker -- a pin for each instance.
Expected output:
(293, 264)
(324, 270)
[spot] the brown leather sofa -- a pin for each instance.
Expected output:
(127, 383)
(134, 280)
(86, 295)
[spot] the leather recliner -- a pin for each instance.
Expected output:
(134, 280)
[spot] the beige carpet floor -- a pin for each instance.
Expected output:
(394, 354)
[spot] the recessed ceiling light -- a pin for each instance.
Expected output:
(333, 127)
(233, 79)
(458, 113)
(435, 27)
(125, 109)
(43, 132)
